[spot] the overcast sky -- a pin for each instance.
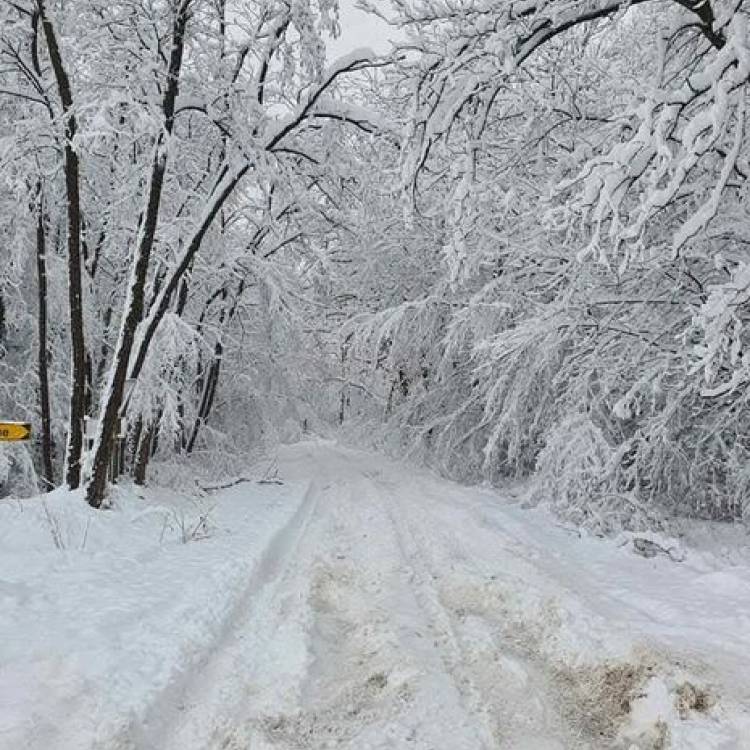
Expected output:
(359, 29)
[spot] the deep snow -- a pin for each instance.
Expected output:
(361, 604)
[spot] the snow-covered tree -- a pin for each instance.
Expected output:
(585, 166)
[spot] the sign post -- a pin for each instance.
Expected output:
(13, 431)
(90, 426)
(89, 434)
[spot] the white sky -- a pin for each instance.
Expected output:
(359, 29)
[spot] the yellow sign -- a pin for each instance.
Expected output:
(10, 431)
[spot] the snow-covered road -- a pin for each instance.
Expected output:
(367, 604)
(400, 611)
(364, 637)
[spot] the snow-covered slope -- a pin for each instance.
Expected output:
(363, 604)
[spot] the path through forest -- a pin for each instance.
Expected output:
(398, 611)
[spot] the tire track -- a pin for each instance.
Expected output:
(378, 678)
(447, 639)
(187, 715)
(501, 686)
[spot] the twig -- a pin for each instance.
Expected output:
(54, 528)
(85, 534)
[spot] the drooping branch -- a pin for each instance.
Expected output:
(548, 29)
(224, 186)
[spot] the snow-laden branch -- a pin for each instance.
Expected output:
(223, 188)
(359, 59)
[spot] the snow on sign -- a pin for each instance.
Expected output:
(11, 431)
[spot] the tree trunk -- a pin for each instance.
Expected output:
(112, 398)
(208, 385)
(342, 397)
(75, 294)
(208, 395)
(2, 325)
(143, 455)
(42, 354)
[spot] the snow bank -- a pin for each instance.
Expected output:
(102, 611)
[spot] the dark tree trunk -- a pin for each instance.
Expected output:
(88, 394)
(210, 384)
(101, 366)
(143, 454)
(2, 324)
(182, 299)
(75, 294)
(208, 378)
(110, 411)
(155, 432)
(42, 354)
(342, 397)
(208, 395)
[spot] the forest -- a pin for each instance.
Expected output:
(513, 246)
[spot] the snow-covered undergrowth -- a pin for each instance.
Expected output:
(103, 611)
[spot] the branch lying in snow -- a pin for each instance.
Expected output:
(225, 486)
(235, 482)
(649, 544)
(649, 548)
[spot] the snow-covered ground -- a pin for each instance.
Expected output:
(361, 604)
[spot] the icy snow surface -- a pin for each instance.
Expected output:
(361, 604)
